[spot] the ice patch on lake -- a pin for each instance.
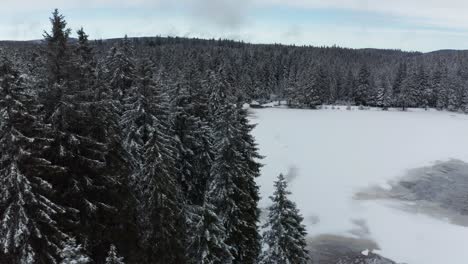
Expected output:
(440, 191)
(334, 249)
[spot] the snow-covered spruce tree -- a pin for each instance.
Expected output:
(28, 230)
(409, 90)
(435, 82)
(387, 94)
(121, 69)
(139, 113)
(113, 257)
(455, 93)
(424, 91)
(398, 83)
(322, 83)
(162, 195)
(247, 84)
(137, 127)
(73, 254)
(194, 144)
(84, 59)
(250, 247)
(146, 131)
(232, 189)
(58, 52)
(285, 235)
(442, 97)
(336, 87)
(310, 95)
(377, 95)
(465, 102)
(104, 116)
(439, 83)
(91, 186)
(198, 92)
(194, 156)
(219, 92)
(361, 92)
(349, 87)
(58, 62)
(206, 243)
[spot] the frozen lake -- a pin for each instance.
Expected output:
(333, 154)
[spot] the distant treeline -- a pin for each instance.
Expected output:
(307, 76)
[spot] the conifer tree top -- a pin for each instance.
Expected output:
(60, 32)
(113, 257)
(284, 234)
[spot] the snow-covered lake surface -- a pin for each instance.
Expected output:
(333, 154)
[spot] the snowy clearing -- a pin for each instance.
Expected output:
(332, 154)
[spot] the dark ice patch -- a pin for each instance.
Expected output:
(361, 229)
(337, 249)
(293, 172)
(440, 191)
(334, 249)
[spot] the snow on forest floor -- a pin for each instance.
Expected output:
(330, 155)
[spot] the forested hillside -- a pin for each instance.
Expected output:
(304, 76)
(104, 159)
(138, 150)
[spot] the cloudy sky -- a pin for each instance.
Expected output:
(422, 25)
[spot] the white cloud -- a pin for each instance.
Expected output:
(446, 13)
(223, 13)
(31, 5)
(355, 37)
(449, 13)
(236, 19)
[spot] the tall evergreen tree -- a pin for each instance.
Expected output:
(207, 240)
(28, 231)
(152, 154)
(339, 93)
(407, 97)
(195, 154)
(121, 69)
(58, 52)
(322, 83)
(361, 93)
(113, 257)
(250, 247)
(164, 204)
(378, 94)
(424, 91)
(349, 86)
(219, 93)
(398, 83)
(194, 144)
(85, 62)
(465, 102)
(454, 92)
(91, 184)
(440, 85)
(232, 189)
(285, 235)
(309, 94)
(73, 253)
(387, 94)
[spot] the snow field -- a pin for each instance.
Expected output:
(333, 153)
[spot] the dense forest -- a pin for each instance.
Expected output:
(303, 76)
(138, 150)
(111, 153)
